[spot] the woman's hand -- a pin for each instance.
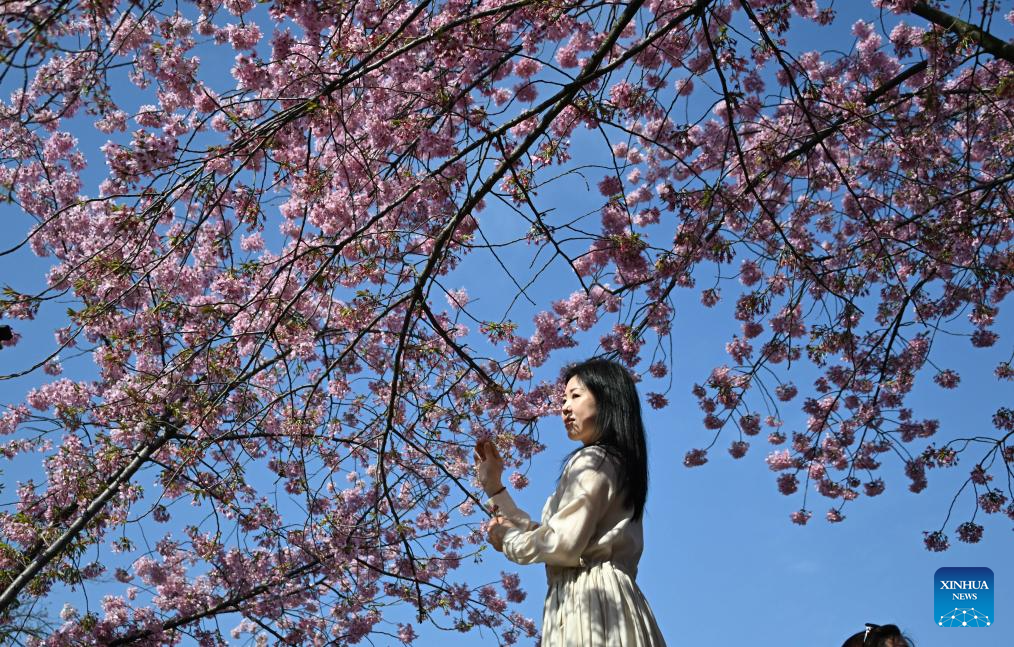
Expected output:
(496, 530)
(488, 467)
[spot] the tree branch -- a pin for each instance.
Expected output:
(10, 594)
(959, 27)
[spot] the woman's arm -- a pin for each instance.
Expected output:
(489, 471)
(503, 504)
(586, 489)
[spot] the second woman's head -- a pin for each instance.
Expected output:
(601, 407)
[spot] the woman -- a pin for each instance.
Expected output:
(590, 538)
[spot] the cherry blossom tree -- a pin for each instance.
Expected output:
(264, 264)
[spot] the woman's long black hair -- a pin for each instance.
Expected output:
(878, 636)
(621, 430)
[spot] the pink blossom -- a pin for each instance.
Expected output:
(457, 299)
(244, 37)
(695, 458)
(710, 297)
(160, 514)
(624, 342)
(739, 349)
(239, 7)
(781, 460)
(983, 338)
(61, 394)
(1004, 371)
(406, 633)
(786, 392)
(789, 321)
(527, 67)
(979, 476)
(610, 186)
(874, 487)
(526, 92)
(657, 401)
(970, 532)
(658, 369)
(817, 470)
(905, 37)
(896, 6)
(947, 379)
(738, 448)
(800, 517)
(511, 583)
(252, 243)
(787, 483)
(916, 472)
(1003, 419)
(992, 501)
(518, 481)
(68, 612)
(752, 329)
(749, 273)
(983, 314)
(750, 424)
(13, 417)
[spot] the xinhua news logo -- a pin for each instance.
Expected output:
(964, 597)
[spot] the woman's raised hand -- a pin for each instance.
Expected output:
(495, 532)
(488, 467)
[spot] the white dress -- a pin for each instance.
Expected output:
(590, 545)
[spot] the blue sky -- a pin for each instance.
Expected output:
(722, 563)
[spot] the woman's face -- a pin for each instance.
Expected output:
(579, 412)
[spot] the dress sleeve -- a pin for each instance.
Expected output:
(505, 504)
(584, 492)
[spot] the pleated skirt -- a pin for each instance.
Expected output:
(597, 606)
